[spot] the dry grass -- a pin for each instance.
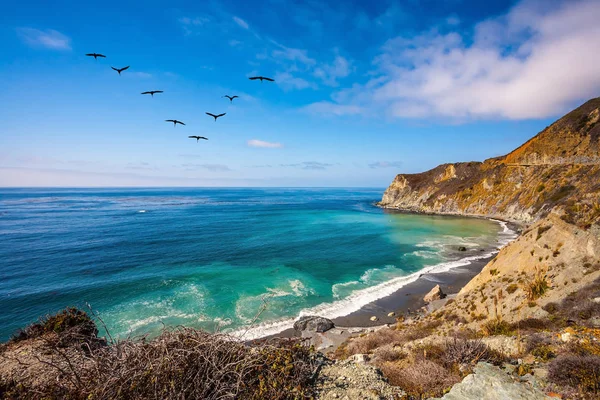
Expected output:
(422, 379)
(182, 363)
(536, 287)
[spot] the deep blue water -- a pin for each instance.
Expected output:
(208, 257)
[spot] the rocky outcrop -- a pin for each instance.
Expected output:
(313, 324)
(567, 257)
(434, 294)
(351, 381)
(491, 383)
(560, 164)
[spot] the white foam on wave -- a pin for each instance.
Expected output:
(359, 298)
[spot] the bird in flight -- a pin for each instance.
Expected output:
(174, 121)
(119, 70)
(197, 138)
(151, 92)
(253, 78)
(231, 98)
(215, 116)
(95, 55)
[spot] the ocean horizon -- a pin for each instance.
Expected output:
(212, 258)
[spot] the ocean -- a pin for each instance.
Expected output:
(215, 258)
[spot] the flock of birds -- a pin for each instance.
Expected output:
(175, 121)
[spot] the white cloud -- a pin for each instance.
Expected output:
(190, 25)
(330, 73)
(241, 22)
(234, 43)
(288, 81)
(49, 38)
(329, 108)
(292, 54)
(263, 144)
(536, 61)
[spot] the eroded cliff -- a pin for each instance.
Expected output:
(557, 170)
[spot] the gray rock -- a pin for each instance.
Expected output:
(359, 358)
(491, 383)
(313, 324)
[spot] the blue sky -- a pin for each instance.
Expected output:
(363, 91)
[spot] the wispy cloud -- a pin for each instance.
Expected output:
(287, 81)
(210, 167)
(140, 166)
(385, 164)
(309, 165)
(234, 43)
(49, 38)
(241, 22)
(191, 24)
(263, 144)
(330, 73)
(284, 53)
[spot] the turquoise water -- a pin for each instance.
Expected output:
(209, 257)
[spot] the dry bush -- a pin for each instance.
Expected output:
(389, 352)
(536, 287)
(70, 325)
(382, 337)
(581, 372)
(469, 352)
(423, 379)
(497, 327)
(181, 363)
(533, 324)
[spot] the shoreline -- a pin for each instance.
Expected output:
(409, 296)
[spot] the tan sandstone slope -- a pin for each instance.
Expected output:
(551, 184)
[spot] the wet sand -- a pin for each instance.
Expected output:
(407, 298)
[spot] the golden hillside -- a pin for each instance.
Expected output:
(558, 169)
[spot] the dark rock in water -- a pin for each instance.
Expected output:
(313, 323)
(462, 248)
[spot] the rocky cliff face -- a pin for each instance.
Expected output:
(557, 170)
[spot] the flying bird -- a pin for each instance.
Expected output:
(119, 70)
(151, 92)
(197, 138)
(215, 116)
(95, 55)
(231, 98)
(253, 78)
(174, 121)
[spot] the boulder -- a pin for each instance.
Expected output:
(373, 318)
(434, 294)
(462, 248)
(491, 383)
(313, 324)
(391, 314)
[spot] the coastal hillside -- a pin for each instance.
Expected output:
(557, 170)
